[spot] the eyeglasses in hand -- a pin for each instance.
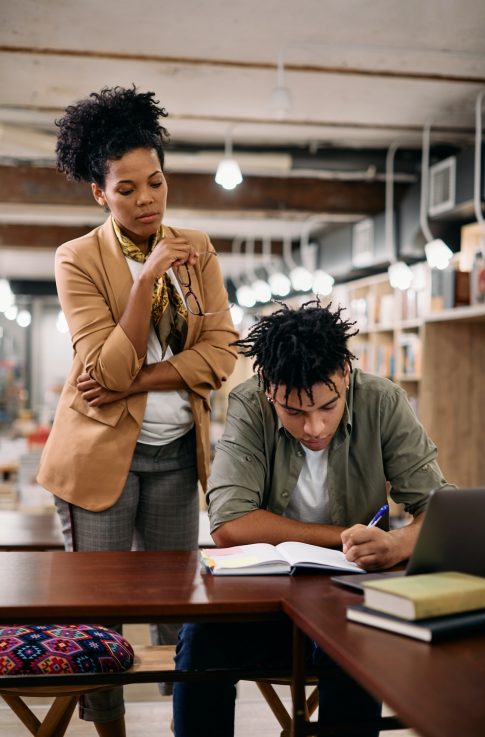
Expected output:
(191, 301)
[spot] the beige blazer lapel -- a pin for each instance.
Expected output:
(117, 271)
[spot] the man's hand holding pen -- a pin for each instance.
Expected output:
(370, 547)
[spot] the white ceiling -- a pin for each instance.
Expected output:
(362, 73)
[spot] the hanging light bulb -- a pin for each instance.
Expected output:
(438, 255)
(322, 282)
(400, 275)
(301, 279)
(262, 290)
(11, 312)
(228, 174)
(24, 318)
(237, 314)
(245, 296)
(281, 103)
(7, 297)
(280, 284)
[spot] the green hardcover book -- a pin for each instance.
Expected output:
(426, 595)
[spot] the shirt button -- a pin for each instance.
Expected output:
(299, 453)
(284, 494)
(248, 458)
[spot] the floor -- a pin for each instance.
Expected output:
(149, 715)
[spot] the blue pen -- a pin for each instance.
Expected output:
(378, 515)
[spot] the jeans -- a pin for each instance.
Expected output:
(206, 709)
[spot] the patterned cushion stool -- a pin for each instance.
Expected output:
(58, 649)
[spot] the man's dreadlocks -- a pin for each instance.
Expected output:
(298, 348)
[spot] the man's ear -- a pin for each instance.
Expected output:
(347, 375)
(98, 194)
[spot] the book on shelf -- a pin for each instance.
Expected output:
(426, 594)
(411, 353)
(431, 629)
(263, 558)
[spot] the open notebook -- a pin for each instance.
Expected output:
(450, 539)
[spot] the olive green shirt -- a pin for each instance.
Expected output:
(257, 462)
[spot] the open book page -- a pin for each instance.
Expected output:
(263, 557)
(309, 556)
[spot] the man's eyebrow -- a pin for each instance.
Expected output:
(299, 409)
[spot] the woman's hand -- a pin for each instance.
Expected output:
(169, 252)
(94, 394)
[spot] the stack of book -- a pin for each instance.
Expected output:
(428, 606)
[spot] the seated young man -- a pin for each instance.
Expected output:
(308, 447)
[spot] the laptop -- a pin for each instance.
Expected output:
(450, 538)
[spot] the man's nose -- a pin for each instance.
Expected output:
(313, 425)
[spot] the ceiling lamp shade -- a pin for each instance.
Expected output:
(400, 275)
(438, 255)
(281, 103)
(322, 283)
(280, 284)
(228, 174)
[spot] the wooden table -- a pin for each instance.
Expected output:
(29, 531)
(436, 689)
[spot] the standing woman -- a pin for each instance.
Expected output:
(150, 326)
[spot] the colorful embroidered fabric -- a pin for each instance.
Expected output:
(62, 648)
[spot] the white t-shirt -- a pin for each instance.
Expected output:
(309, 501)
(168, 414)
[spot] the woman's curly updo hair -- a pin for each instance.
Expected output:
(299, 348)
(104, 127)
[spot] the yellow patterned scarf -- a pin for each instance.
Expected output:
(169, 314)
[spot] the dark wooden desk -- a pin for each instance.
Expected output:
(436, 689)
(29, 531)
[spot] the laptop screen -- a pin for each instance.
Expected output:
(451, 537)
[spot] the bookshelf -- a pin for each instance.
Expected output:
(436, 355)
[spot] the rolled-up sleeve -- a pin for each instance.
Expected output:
(238, 476)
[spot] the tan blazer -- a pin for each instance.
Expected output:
(89, 450)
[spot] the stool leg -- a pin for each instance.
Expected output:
(23, 712)
(58, 717)
(275, 704)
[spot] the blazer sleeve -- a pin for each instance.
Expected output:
(210, 360)
(103, 347)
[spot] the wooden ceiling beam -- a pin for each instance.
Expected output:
(45, 237)
(43, 185)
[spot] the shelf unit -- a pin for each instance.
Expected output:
(437, 357)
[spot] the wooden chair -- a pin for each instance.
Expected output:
(267, 688)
